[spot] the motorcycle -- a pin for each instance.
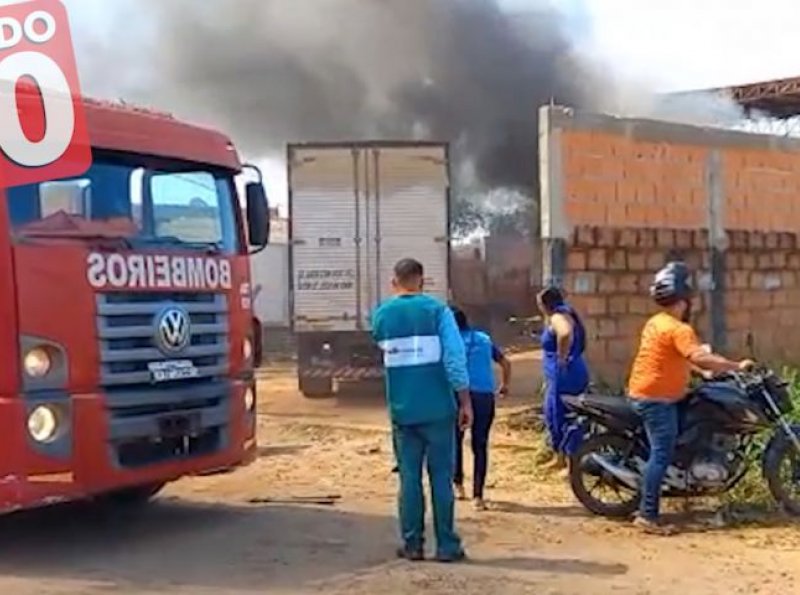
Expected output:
(721, 421)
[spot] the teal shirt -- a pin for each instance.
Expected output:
(424, 358)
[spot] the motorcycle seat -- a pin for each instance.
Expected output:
(615, 405)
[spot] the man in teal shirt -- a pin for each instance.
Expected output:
(425, 362)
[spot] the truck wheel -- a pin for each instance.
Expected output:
(132, 497)
(316, 388)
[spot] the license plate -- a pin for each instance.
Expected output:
(175, 426)
(172, 370)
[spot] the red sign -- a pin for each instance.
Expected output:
(43, 133)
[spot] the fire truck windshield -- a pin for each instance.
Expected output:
(144, 201)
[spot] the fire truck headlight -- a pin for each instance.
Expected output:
(249, 399)
(247, 349)
(37, 362)
(43, 423)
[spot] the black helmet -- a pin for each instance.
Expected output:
(672, 284)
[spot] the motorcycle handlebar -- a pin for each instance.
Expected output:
(753, 376)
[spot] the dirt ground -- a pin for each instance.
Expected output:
(206, 535)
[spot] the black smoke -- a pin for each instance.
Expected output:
(273, 71)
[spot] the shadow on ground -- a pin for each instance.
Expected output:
(566, 511)
(179, 544)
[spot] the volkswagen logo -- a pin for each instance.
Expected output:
(172, 332)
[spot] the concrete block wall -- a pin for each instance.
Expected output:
(621, 197)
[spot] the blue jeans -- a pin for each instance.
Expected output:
(660, 419)
(483, 416)
(430, 445)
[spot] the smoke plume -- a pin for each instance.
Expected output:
(465, 71)
(272, 71)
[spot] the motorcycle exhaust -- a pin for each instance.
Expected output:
(625, 476)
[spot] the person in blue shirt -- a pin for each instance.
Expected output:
(425, 362)
(482, 354)
(564, 368)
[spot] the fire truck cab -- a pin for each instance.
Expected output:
(128, 334)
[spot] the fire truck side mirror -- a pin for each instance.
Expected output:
(258, 223)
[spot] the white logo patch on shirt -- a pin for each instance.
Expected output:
(411, 351)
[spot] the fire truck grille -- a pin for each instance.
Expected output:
(152, 421)
(126, 331)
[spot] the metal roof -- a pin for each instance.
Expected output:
(778, 98)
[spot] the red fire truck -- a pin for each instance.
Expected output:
(127, 332)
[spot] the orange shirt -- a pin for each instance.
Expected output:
(661, 369)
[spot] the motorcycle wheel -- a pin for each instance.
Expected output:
(782, 472)
(586, 477)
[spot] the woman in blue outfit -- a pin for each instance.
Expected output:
(482, 354)
(565, 373)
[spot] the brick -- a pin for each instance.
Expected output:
(617, 260)
(617, 217)
(606, 328)
(740, 280)
(628, 283)
(577, 260)
(640, 305)
(694, 259)
(631, 326)
(790, 317)
(794, 261)
(789, 279)
(628, 238)
(655, 260)
(585, 236)
(617, 304)
(596, 306)
(787, 241)
(647, 238)
(756, 300)
(732, 260)
(637, 261)
(620, 352)
(738, 319)
(700, 238)
(748, 262)
(764, 261)
(778, 299)
(597, 351)
(778, 260)
(607, 284)
(757, 281)
(606, 237)
(683, 238)
(771, 241)
(665, 238)
(755, 240)
(598, 260)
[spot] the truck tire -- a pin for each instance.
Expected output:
(316, 388)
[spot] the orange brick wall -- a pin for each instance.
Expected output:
(624, 196)
(614, 180)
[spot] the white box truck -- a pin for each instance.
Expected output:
(355, 209)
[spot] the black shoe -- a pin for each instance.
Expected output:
(412, 555)
(395, 469)
(459, 556)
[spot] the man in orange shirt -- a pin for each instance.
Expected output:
(668, 350)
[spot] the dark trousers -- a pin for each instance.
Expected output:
(483, 412)
(660, 421)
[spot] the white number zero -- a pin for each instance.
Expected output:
(59, 112)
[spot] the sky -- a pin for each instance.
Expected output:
(681, 44)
